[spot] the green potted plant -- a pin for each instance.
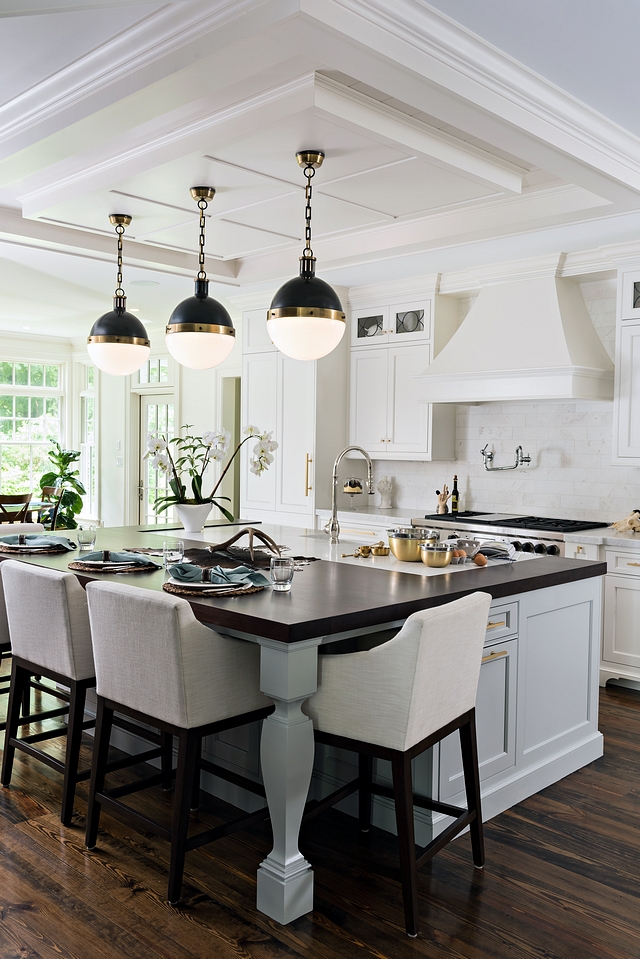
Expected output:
(66, 478)
(188, 462)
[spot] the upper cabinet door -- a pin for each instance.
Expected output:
(627, 402)
(259, 391)
(410, 321)
(408, 422)
(370, 327)
(296, 435)
(368, 405)
(255, 336)
(630, 305)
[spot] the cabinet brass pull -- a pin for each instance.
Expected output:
(579, 549)
(502, 622)
(486, 659)
(633, 564)
(360, 532)
(307, 487)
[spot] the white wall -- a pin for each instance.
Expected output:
(570, 446)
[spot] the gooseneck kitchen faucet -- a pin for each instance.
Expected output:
(333, 526)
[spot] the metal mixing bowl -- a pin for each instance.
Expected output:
(436, 556)
(405, 543)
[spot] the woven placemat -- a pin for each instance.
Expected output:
(22, 551)
(92, 568)
(190, 591)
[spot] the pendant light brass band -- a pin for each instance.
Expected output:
(119, 219)
(128, 340)
(312, 158)
(306, 311)
(202, 192)
(200, 328)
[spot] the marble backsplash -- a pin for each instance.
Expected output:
(570, 445)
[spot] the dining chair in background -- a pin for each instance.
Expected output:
(394, 702)
(157, 664)
(52, 497)
(14, 500)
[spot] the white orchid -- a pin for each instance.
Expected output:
(251, 431)
(155, 444)
(160, 462)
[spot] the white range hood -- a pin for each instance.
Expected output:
(527, 339)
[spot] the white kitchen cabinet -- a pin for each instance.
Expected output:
(582, 551)
(629, 282)
(399, 323)
(385, 417)
(626, 407)
(495, 720)
(621, 644)
(304, 404)
(255, 335)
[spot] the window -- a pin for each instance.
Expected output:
(88, 470)
(30, 418)
(154, 371)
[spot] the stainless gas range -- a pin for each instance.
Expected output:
(531, 534)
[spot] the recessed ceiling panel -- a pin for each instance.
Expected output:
(224, 239)
(409, 189)
(92, 213)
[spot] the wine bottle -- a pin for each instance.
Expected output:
(454, 497)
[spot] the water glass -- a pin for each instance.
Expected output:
(86, 537)
(172, 552)
(281, 573)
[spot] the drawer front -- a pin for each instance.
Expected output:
(623, 561)
(502, 622)
(582, 551)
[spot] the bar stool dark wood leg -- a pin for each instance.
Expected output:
(195, 795)
(166, 759)
(365, 774)
(188, 754)
(19, 682)
(78, 695)
(469, 747)
(403, 794)
(104, 723)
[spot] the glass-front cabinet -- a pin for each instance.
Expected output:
(396, 324)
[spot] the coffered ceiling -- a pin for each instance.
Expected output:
(440, 148)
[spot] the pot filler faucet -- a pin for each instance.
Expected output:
(333, 526)
(521, 460)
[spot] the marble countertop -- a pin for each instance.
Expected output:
(606, 536)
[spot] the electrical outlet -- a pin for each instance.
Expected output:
(118, 446)
(119, 461)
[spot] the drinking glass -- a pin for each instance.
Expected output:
(281, 573)
(172, 552)
(86, 537)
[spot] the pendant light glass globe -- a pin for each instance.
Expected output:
(118, 343)
(305, 319)
(200, 333)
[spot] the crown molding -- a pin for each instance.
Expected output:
(468, 281)
(162, 33)
(427, 42)
(377, 293)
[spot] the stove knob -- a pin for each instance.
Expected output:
(527, 547)
(540, 548)
(553, 550)
(517, 545)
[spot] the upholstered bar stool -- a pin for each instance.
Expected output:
(397, 700)
(49, 633)
(157, 664)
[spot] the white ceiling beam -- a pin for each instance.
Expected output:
(391, 126)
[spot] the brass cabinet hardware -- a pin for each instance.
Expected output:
(502, 622)
(307, 487)
(486, 659)
(633, 564)
(579, 549)
(360, 532)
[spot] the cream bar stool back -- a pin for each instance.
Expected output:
(157, 664)
(13, 528)
(394, 702)
(49, 632)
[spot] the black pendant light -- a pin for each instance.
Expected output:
(118, 342)
(200, 333)
(305, 319)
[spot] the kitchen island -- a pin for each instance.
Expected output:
(537, 701)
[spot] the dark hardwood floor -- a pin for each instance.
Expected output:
(562, 879)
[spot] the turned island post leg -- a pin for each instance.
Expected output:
(288, 674)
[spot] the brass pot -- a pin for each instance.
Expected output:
(405, 544)
(436, 556)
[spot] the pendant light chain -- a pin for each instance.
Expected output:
(309, 172)
(119, 291)
(202, 206)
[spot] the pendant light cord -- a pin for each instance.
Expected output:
(202, 274)
(307, 260)
(119, 291)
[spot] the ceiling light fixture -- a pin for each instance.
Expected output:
(118, 342)
(305, 319)
(200, 333)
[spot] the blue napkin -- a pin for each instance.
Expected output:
(188, 573)
(132, 559)
(37, 539)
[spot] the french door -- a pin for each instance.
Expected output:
(157, 417)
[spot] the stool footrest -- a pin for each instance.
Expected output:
(148, 825)
(428, 852)
(316, 806)
(210, 835)
(128, 788)
(40, 717)
(232, 777)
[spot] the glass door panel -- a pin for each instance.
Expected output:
(157, 417)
